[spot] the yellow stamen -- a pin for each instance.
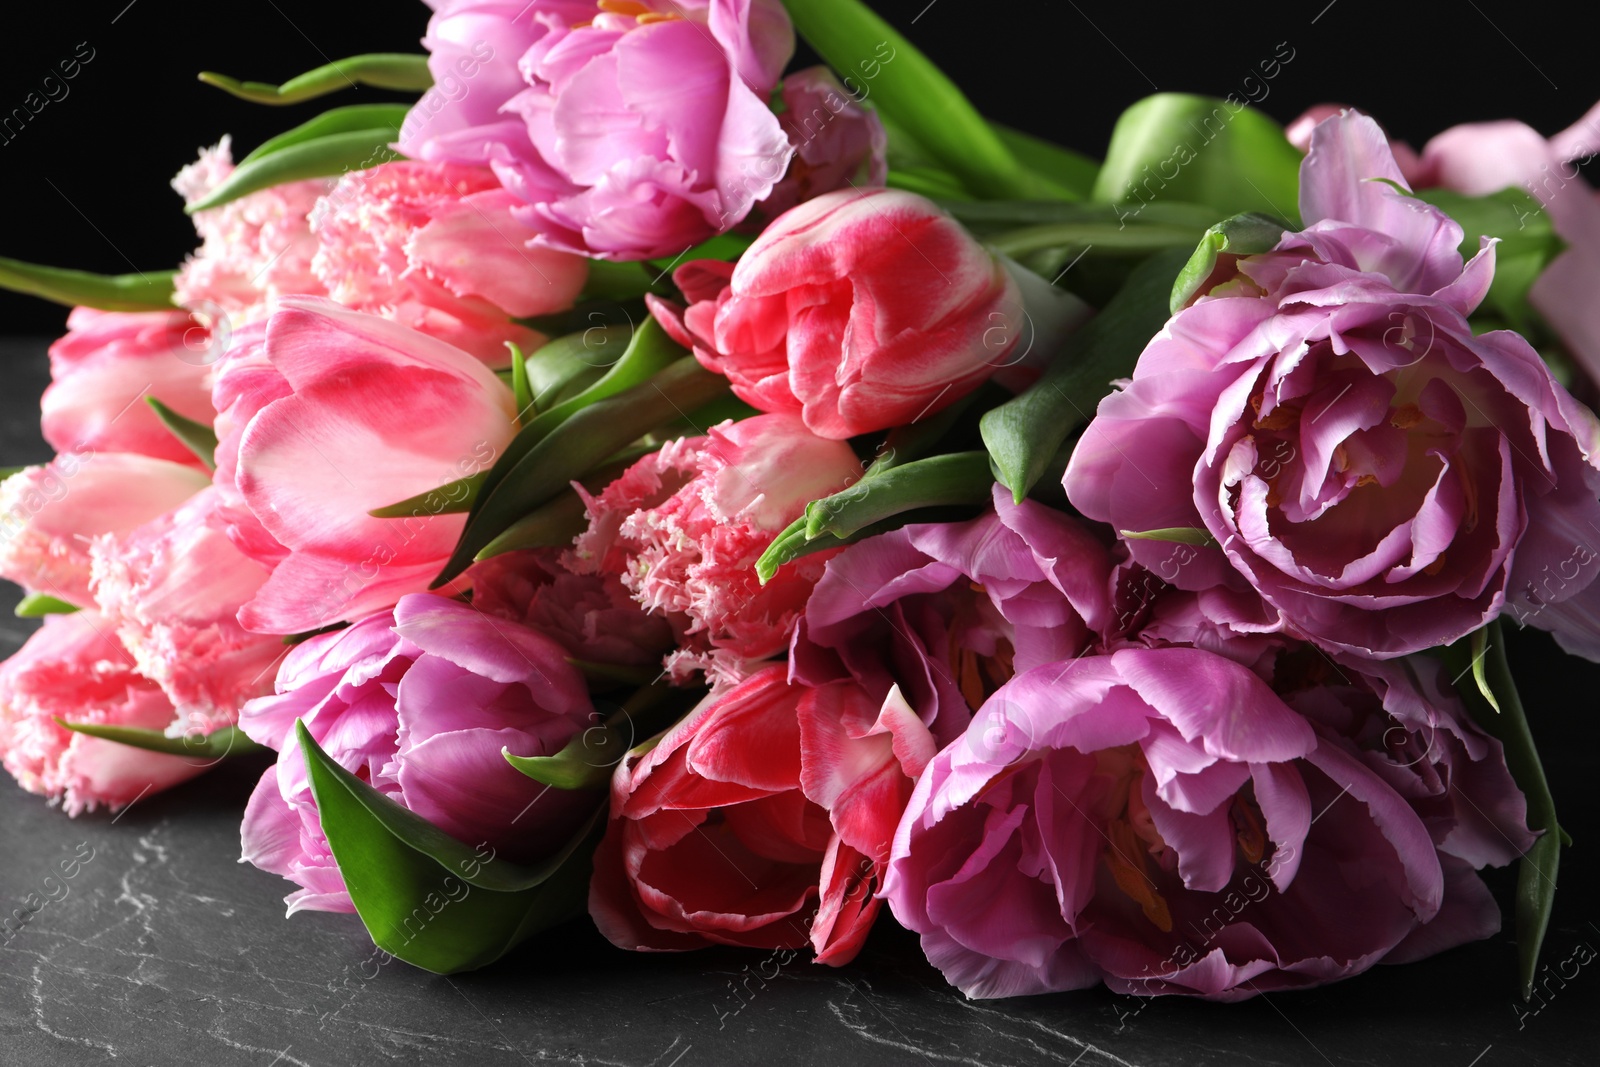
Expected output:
(1406, 416)
(623, 7)
(1131, 879)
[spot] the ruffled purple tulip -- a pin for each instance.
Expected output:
(1385, 480)
(419, 704)
(949, 612)
(1162, 821)
(628, 128)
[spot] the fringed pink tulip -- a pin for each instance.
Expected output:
(74, 669)
(172, 589)
(49, 515)
(683, 528)
(435, 246)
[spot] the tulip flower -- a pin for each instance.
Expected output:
(102, 371)
(859, 310)
(49, 515)
(172, 589)
(372, 413)
(1163, 821)
(74, 669)
(253, 249)
(628, 129)
(1385, 479)
(434, 246)
(419, 703)
(684, 526)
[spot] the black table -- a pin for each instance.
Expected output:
(166, 950)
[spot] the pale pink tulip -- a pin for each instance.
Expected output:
(375, 414)
(104, 368)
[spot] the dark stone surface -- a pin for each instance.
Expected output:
(166, 950)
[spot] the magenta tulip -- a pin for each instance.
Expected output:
(418, 703)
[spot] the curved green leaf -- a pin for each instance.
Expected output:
(1068, 174)
(1181, 535)
(880, 65)
(38, 605)
(1024, 434)
(381, 70)
(1242, 235)
(338, 120)
(956, 478)
(147, 291)
(1174, 146)
(319, 157)
(1536, 874)
(197, 437)
(424, 896)
(575, 447)
(452, 498)
(228, 741)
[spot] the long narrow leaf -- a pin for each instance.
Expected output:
(147, 291)
(319, 157)
(381, 70)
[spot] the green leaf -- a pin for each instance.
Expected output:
(146, 291)
(553, 524)
(318, 157)
(1182, 535)
(881, 66)
(575, 447)
(1536, 874)
(1242, 235)
(338, 120)
(197, 437)
(555, 366)
(956, 478)
(1528, 242)
(589, 758)
(452, 498)
(989, 217)
(381, 70)
(931, 182)
(519, 381)
(7, 472)
(228, 741)
(1069, 174)
(1139, 239)
(424, 896)
(1024, 434)
(616, 282)
(37, 605)
(1480, 676)
(1174, 146)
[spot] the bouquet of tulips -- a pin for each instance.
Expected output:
(636, 478)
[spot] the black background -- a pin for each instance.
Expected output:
(85, 183)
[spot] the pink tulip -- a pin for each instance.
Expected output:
(712, 841)
(73, 669)
(104, 368)
(859, 310)
(419, 703)
(375, 413)
(627, 129)
(245, 382)
(435, 246)
(683, 528)
(253, 250)
(838, 142)
(172, 589)
(49, 514)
